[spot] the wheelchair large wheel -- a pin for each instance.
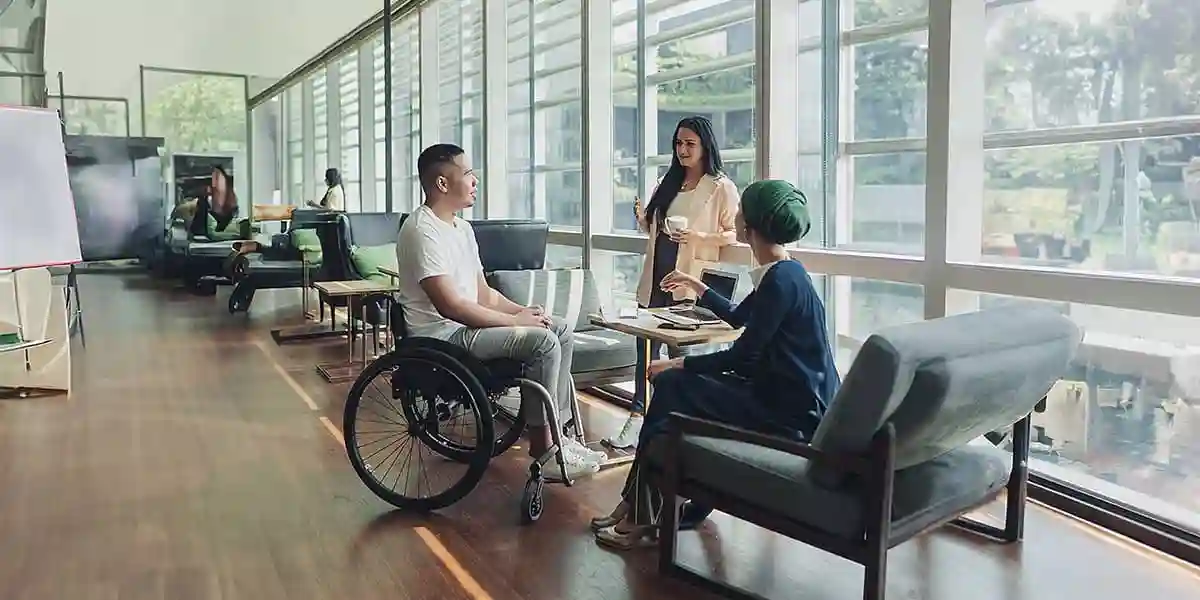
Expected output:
(398, 426)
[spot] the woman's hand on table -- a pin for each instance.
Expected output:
(678, 280)
(658, 366)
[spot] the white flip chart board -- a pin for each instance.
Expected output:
(37, 211)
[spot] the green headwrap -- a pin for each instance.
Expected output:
(776, 210)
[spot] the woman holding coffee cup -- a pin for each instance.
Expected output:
(689, 218)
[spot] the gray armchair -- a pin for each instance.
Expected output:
(898, 452)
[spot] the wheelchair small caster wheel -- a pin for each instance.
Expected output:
(238, 304)
(531, 500)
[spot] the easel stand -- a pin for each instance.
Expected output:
(39, 230)
(37, 363)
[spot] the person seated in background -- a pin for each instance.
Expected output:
(444, 295)
(221, 202)
(335, 194)
(777, 378)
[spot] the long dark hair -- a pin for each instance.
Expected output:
(228, 204)
(672, 182)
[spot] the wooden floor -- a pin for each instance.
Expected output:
(197, 459)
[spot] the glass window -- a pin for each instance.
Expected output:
(545, 129)
(1115, 202)
(320, 97)
(874, 12)
(406, 113)
(197, 113)
(882, 208)
(294, 110)
(379, 131)
(1123, 423)
(460, 84)
(90, 116)
(348, 96)
(699, 61)
(559, 256)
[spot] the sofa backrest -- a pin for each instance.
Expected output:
(944, 382)
(371, 229)
(511, 244)
(508, 244)
(569, 294)
(304, 217)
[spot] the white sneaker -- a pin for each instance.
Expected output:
(577, 468)
(572, 446)
(629, 434)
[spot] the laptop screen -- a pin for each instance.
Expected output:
(720, 282)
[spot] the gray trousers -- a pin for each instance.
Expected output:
(546, 354)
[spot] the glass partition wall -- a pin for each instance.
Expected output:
(956, 155)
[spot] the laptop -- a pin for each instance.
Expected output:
(721, 282)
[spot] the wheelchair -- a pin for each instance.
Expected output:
(427, 386)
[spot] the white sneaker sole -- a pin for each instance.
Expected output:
(616, 446)
(553, 474)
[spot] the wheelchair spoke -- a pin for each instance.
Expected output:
(407, 438)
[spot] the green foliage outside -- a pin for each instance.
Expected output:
(204, 113)
(1044, 70)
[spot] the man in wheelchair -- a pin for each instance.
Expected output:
(445, 295)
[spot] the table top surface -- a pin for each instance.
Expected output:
(645, 325)
(357, 287)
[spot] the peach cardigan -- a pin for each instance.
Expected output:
(715, 215)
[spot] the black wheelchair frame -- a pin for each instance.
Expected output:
(445, 377)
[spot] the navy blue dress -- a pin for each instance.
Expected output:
(777, 378)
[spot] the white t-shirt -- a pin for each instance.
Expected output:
(429, 247)
(335, 198)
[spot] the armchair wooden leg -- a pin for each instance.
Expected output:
(668, 525)
(1016, 491)
(880, 486)
(875, 581)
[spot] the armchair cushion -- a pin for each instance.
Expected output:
(569, 294)
(925, 494)
(368, 260)
(602, 350)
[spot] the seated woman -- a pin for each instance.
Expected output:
(335, 196)
(777, 378)
(221, 202)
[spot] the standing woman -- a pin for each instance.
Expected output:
(695, 191)
(335, 195)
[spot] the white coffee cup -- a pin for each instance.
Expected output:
(676, 224)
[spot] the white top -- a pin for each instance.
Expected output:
(335, 198)
(687, 204)
(430, 247)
